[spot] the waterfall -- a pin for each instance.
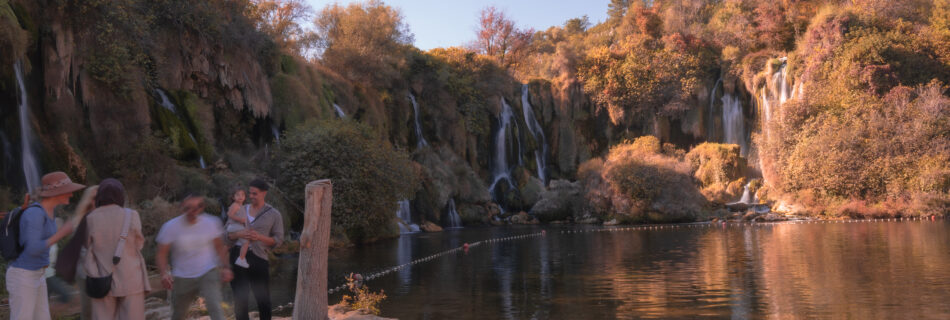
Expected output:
(780, 82)
(168, 104)
(747, 196)
(339, 111)
(415, 108)
(405, 218)
(540, 156)
(201, 159)
(276, 133)
(31, 169)
(454, 221)
(733, 122)
(499, 165)
(776, 92)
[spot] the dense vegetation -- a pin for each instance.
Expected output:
(866, 130)
(368, 175)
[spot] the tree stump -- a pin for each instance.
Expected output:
(311, 298)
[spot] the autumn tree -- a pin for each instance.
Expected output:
(639, 77)
(616, 9)
(364, 41)
(577, 25)
(499, 38)
(281, 20)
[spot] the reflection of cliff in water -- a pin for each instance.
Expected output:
(784, 270)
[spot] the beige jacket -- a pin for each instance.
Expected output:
(105, 225)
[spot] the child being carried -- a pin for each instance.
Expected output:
(238, 221)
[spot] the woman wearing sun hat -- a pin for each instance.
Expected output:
(26, 283)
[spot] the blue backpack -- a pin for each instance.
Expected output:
(10, 233)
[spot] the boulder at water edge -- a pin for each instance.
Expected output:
(562, 200)
(428, 226)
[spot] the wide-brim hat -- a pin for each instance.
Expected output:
(58, 183)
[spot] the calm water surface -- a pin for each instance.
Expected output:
(861, 270)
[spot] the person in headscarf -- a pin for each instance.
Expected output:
(126, 297)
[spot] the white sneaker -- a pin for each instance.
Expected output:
(241, 262)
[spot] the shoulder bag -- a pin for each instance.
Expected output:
(98, 287)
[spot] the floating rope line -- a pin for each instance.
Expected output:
(724, 224)
(464, 247)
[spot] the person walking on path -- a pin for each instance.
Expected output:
(265, 231)
(195, 240)
(25, 278)
(105, 226)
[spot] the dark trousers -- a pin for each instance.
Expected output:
(256, 279)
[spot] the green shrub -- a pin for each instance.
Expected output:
(368, 175)
(716, 166)
(637, 183)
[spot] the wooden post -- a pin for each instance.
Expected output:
(311, 299)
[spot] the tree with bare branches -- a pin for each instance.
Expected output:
(500, 39)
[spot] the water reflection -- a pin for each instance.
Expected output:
(404, 256)
(867, 270)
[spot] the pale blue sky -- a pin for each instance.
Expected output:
(449, 23)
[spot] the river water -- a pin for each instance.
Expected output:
(860, 270)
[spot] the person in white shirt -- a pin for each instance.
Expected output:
(195, 241)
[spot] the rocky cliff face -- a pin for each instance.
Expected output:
(80, 118)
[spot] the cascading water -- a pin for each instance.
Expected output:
(454, 221)
(168, 104)
(31, 169)
(733, 122)
(500, 170)
(405, 216)
(415, 108)
(276, 133)
(777, 90)
(747, 196)
(201, 159)
(339, 111)
(540, 156)
(780, 82)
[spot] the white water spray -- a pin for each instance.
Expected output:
(733, 122)
(415, 108)
(170, 106)
(339, 111)
(454, 221)
(540, 156)
(31, 169)
(404, 213)
(500, 170)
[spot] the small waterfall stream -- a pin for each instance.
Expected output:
(747, 196)
(499, 164)
(733, 122)
(168, 104)
(339, 111)
(276, 133)
(201, 159)
(31, 169)
(415, 108)
(404, 213)
(540, 156)
(454, 221)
